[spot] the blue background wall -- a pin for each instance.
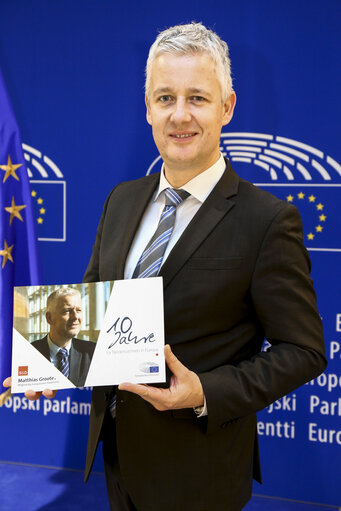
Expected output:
(75, 73)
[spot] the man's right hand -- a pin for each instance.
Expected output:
(31, 394)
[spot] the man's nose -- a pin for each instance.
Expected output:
(181, 112)
(76, 314)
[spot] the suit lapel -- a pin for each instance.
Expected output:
(142, 196)
(43, 347)
(45, 350)
(216, 206)
(75, 363)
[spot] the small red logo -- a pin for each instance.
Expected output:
(23, 371)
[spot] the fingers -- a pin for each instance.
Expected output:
(32, 395)
(7, 382)
(136, 388)
(155, 396)
(49, 394)
(173, 363)
(185, 390)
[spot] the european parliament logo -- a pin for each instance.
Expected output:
(295, 172)
(48, 190)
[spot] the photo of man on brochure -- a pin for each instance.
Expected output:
(63, 323)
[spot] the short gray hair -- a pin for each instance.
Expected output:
(61, 291)
(192, 39)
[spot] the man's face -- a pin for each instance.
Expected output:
(186, 112)
(65, 318)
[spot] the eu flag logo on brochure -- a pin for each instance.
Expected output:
(48, 191)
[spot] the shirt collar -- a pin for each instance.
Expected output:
(201, 185)
(54, 348)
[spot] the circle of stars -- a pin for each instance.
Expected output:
(319, 207)
(40, 202)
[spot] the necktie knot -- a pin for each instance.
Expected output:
(174, 197)
(62, 353)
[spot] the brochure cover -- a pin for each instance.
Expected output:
(76, 335)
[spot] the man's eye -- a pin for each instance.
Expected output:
(165, 98)
(198, 99)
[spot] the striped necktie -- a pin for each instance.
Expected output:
(62, 363)
(151, 259)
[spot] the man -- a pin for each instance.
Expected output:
(70, 355)
(234, 271)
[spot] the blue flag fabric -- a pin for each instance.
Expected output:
(19, 257)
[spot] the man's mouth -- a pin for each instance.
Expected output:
(182, 135)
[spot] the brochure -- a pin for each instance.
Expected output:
(92, 334)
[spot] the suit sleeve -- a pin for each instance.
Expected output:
(284, 300)
(92, 271)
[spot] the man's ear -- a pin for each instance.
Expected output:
(48, 317)
(148, 114)
(229, 105)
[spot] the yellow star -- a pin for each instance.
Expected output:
(300, 195)
(33, 193)
(319, 228)
(322, 218)
(290, 198)
(40, 220)
(14, 210)
(6, 254)
(320, 206)
(310, 236)
(42, 211)
(10, 169)
(312, 198)
(40, 200)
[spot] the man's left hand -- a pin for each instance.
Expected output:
(185, 389)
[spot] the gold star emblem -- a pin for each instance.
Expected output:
(310, 236)
(311, 198)
(40, 200)
(6, 254)
(319, 228)
(33, 193)
(10, 169)
(40, 220)
(322, 218)
(14, 210)
(290, 198)
(300, 195)
(320, 206)
(42, 211)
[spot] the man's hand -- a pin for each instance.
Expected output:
(185, 389)
(31, 394)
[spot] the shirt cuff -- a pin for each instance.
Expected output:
(201, 411)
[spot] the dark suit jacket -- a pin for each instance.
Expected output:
(79, 359)
(238, 273)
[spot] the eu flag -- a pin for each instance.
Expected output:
(19, 258)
